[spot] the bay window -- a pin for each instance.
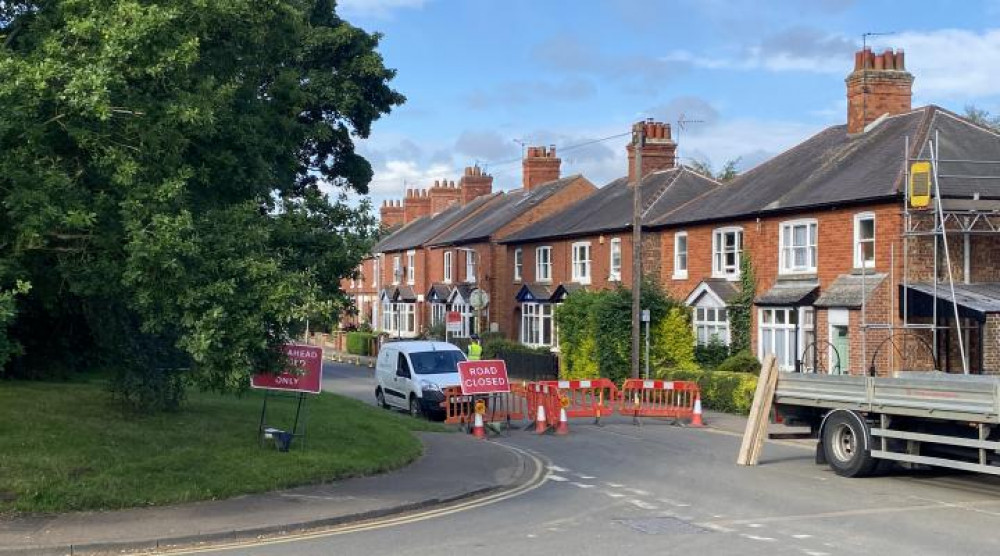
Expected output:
(536, 324)
(711, 324)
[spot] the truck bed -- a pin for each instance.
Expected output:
(937, 395)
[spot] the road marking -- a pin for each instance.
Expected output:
(614, 485)
(843, 513)
(769, 441)
(802, 536)
(641, 504)
(538, 479)
(613, 494)
(815, 553)
(719, 528)
(638, 491)
(754, 525)
(585, 477)
(756, 538)
(581, 485)
(558, 469)
(558, 478)
(675, 503)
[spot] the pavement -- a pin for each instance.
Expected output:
(453, 467)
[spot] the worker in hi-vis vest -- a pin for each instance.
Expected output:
(475, 350)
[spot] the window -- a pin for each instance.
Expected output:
(411, 274)
(536, 324)
(797, 247)
(470, 266)
(543, 264)
(397, 269)
(518, 264)
(581, 262)
(399, 318)
(616, 259)
(469, 324)
(790, 334)
(864, 240)
(437, 313)
(680, 256)
(378, 268)
(711, 323)
(447, 267)
(727, 244)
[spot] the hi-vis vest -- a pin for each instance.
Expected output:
(475, 352)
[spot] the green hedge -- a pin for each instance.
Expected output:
(720, 390)
(358, 343)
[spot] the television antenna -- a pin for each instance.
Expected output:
(682, 122)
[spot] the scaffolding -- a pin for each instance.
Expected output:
(943, 217)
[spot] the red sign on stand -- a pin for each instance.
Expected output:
(306, 374)
(483, 377)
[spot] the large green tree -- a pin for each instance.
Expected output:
(173, 177)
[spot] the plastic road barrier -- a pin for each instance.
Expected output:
(658, 398)
(461, 409)
(587, 398)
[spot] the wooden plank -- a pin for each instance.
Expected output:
(756, 430)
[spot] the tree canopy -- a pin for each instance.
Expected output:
(173, 177)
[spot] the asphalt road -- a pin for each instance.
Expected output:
(660, 489)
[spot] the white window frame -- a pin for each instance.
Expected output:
(438, 311)
(787, 252)
(470, 266)
(534, 317)
(615, 266)
(581, 265)
(378, 267)
(707, 318)
(397, 269)
(859, 261)
(680, 270)
(446, 271)
(720, 269)
(411, 267)
(791, 333)
(518, 264)
(543, 269)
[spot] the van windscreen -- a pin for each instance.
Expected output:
(436, 362)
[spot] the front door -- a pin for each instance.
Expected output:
(841, 342)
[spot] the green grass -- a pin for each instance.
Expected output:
(64, 447)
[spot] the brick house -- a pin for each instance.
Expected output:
(468, 256)
(401, 264)
(833, 240)
(589, 244)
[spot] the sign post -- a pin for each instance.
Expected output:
(304, 376)
(452, 323)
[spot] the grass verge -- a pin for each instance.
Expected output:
(64, 447)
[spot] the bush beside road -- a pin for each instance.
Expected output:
(65, 448)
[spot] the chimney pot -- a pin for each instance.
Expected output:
(881, 85)
(879, 63)
(899, 60)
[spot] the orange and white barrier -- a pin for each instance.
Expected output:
(587, 398)
(658, 398)
(461, 409)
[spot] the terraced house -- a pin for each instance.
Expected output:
(845, 272)
(589, 244)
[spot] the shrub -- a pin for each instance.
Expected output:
(720, 390)
(358, 343)
(495, 344)
(712, 354)
(742, 362)
(673, 341)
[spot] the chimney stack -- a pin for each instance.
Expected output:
(540, 165)
(659, 152)
(416, 205)
(475, 183)
(878, 85)
(391, 214)
(443, 195)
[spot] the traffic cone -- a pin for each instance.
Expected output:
(540, 425)
(696, 418)
(563, 427)
(477, 427)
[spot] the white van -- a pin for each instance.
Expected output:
(412, 375)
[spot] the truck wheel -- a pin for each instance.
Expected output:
(844, 446)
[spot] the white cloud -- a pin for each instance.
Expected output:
(377, 8)
(393, 179)
(951, 63)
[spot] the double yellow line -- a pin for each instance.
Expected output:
(538, 478)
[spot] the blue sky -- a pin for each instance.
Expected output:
(761, 76)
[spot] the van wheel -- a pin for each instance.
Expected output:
(844, 445)
(380, 398)
(415, 407)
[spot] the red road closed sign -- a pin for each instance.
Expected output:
(483, 377)
(305, 375)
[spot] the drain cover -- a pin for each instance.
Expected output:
(662, 526)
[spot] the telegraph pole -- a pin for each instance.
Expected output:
(638, 142)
